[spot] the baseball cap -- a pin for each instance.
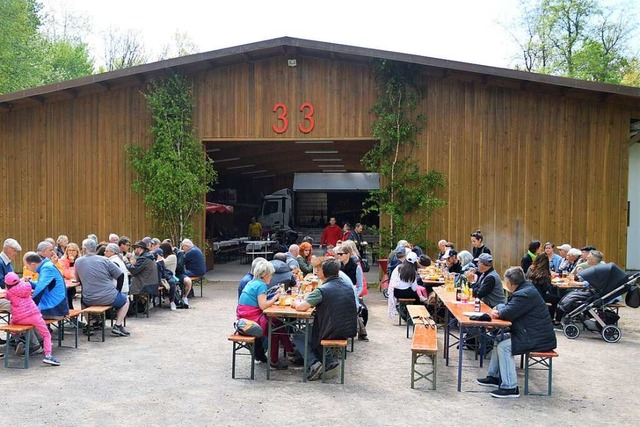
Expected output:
(485, 259)
(564, 247)
(401, 251)
(412, 257)
(140, 244)
(11, 279)
(449, 253)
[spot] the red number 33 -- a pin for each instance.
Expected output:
(282, 124)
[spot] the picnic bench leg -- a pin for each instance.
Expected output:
(413, 368)
(434, 362)
(460, 357)
(27, 349)
(252, 349)
(269, 349)
(344, 357)
(6, 350)
(447, 337)
(306, 351)
(550, 376)
(526, 375)
(233, 361)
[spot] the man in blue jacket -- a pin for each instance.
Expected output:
(531, 330)
(49, 291)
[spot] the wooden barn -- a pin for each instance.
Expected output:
(526, 156)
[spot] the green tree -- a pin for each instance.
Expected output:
(407, 195)
(174, 174)
(30, 54)
(21, 47)
(574, 38)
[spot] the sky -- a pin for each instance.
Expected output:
(463, 30)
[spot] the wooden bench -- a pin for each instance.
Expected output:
(418, 314)
(424, 344)
(5, 316)
(17, 330)
(98, 311)
(196, 280)
(242, 342)
(616, 306)
(403, 302)
(544, 362)
(59, 325)
(341, 345)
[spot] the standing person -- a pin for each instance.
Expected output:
(531, 330)
(255, 229)
(349, 247)
(335, 317)
(96, 275)
(124, 244)
(356, 236)
(477, 241)
(10, 248)
(25, 312)
(535, 248)
(346, 231)
(554, 258)
(331, 234)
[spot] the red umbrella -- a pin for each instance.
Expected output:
(218, 208)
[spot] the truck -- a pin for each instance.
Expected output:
(276, 212)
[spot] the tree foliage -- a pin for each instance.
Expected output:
(174, 174)
(574, 38)
(32, 55)
(407, 195)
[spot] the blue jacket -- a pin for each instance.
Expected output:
(531, 327)
(50, 292)
(194, 265)
(4, 270)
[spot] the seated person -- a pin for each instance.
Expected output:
(304, 258)
(466, 261)
(453, 263)
(49, 291)
(249, 276)
(251, 304)
(489, 285)
(531, 330)
(534, 249)
(403, 283)
(96, 274)
(292, 257)
(143, 270)
(399, 255)
(569, 263)
(594, 257)
(282, 272)
(335, 317)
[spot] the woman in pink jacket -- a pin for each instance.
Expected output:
(25, 312)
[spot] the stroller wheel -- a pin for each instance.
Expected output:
(571, 331)
(611, 334)
(385, 293)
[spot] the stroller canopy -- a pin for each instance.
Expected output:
(604, 277)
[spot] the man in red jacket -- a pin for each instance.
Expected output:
(331, 234)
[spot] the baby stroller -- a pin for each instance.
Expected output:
(588, 307)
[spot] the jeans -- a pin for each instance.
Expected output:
(313, 356)
(502, 365)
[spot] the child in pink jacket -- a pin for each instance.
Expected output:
(25, 312)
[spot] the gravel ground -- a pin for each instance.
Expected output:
(175, 368)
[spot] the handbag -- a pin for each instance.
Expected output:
(364, 263)
(248, 328)
(633, 297)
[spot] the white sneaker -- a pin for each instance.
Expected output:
(185, 300)
(173, 306)
(156, 301)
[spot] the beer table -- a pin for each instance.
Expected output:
(456, 311)
(292, 321)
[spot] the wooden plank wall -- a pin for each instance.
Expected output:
(65, 169)
(524, 166)
(520, 165)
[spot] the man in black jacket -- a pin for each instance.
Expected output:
(335, 318)
(531, 330)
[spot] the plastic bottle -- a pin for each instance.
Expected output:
(476, 306)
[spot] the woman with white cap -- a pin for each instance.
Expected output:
(404, 283)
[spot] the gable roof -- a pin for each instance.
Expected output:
(290, 46)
